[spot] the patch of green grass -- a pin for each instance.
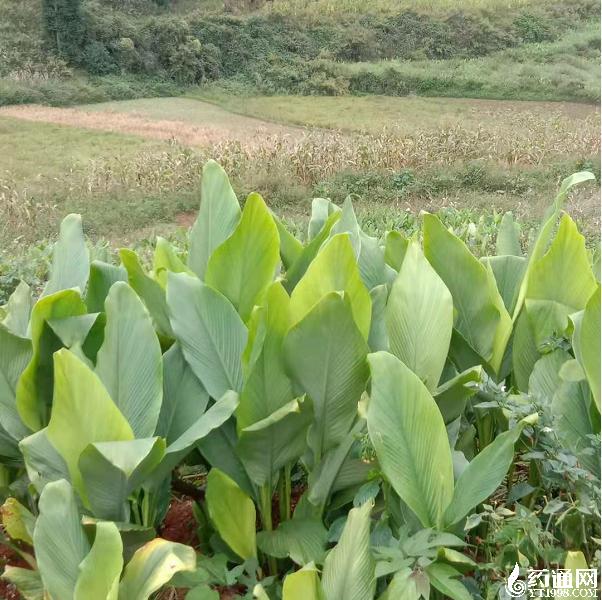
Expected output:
(373, 114)
(37, 153)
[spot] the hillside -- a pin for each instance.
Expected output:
(489, 49)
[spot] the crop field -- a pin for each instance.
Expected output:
(300, 300)
(246, 414)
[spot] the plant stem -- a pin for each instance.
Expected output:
(284, 493)
(265, 509)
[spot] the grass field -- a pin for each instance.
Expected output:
(395, 156)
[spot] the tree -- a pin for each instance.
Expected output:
(65, 27)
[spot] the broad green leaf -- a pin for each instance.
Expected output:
(545, 233)
(202, 592)
(129, 362)
(586, 343)
(563, 274)
(524, 351)
(378, 338)
(18, 521)
(219, 450)
(218, 215)
(508, 272)
(59, 540)
(82, 413)
(483, 475)
(451, 396)
(445, 579)
(267, 386)
(302, 540)
(165, 259)
(213, 419)
(152, 566)
(28, 582)
(18, 310)
(296, 271)
(210, 332)
(409, 437)
(371, 262)
(232, 513)
(15, 355)
(34, 388)
(43, 463)
(151, 292)
(303, 585)
(70, 258)
(545, 378)
(101, 569)
(349, 567)
(245, 264)
(111, 471)
(572, 421)
(321, 210)
(403, 586)
(419, 316)
(324, 476)
(102, 277)
(290, 247)
(333, 270)
(326, 355)
(274, 442)
(482, 318)
(184, 397)
(348, 224)
(508, 237)
(396, 246)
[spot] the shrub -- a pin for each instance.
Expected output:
(97, 60)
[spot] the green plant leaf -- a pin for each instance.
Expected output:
(302, 540)
(508, 272)
(184, 397)
(396, 246)
(59, 540)
(586, 343)
(232, 513)
(333, 270)
(42, 461)
(34, 388)
(452, 395)
(444, 578)
(524, 351)
(102, 277)
(218, 215)
(410, 439)
(28, 582)
(82, 413)
(419, 316)
(70, 258)
(349, 566)
(303, 585)
(545, 378)
(15, 355)
(165, 260)
(18, 521)
(111, 471)
(483, 475)
(18, 310)
(508, 237)
(482, 318)
(151, 292)
(101, 569)
(211, 334)
(296, 271)
(321, 211)
(134, 379)
(243, 266)
(326, 356)
(274, 442)
(152, 566)
(290, 247)
(378, 338)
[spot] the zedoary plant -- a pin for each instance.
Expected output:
(347, 397)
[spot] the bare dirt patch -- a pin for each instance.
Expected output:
(220, 125)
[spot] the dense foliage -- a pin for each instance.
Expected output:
(365, 411)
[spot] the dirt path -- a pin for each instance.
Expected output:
(197, 123)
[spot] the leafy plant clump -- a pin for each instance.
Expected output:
(354, 418)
